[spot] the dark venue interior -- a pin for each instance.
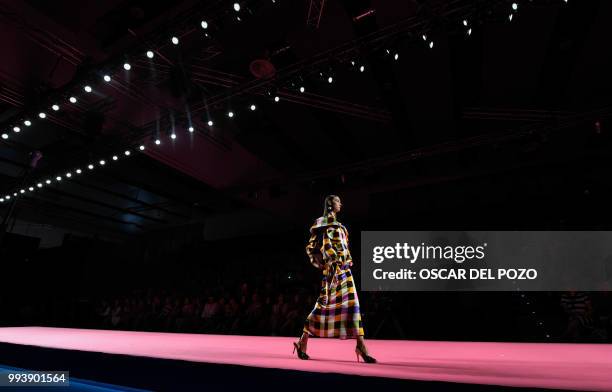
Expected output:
(161, 163)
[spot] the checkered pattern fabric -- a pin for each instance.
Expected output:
(336, 313)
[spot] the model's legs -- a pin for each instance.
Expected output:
(361, 344)
(304, 341)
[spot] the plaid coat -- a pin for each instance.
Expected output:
(336, 313)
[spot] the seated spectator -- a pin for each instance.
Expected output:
(231, 315)
(185, 318)
(116, 314)
(278, 314)
(578, 308)
(104, 313)
(253, 315)
(210, 310)
(295, 316)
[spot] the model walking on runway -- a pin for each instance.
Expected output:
(336, 312)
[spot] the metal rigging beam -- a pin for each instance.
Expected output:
(315, 11)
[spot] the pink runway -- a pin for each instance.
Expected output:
(527, 365)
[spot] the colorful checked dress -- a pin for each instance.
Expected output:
(336, 312)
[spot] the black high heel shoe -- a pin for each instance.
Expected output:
(301, 354)
(366, 357)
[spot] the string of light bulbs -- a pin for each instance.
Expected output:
(204, 24)
(126, 152)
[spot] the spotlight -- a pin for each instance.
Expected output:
(424, 36)
(253, 107)
(87, 88)
(142, 147)
(510, 17)
(465, 22)
(127, 153)
(42, 115)
(210, 123)
(31, 188)
(55, 107)
(27, 123)
(173, 136)
(39, 185)
(204, 24)
(58, 178)
(514, 6)
(150, 54)
(330, 80)
(23, 190)
(230, 114)
(16, 129)
(68, 175)
(107, 78)
(276, 99)
(72, 100)
(469, 32)
(431, 44)
(157, 141)
(362, 68)
(7, 197)
(102, 162)
(79, 171)
(302, 89)
(4, 136)
(396, 56)
(90, 166)
(1, 200)
(127, 66)
(115, 157)
(237, 7)
(191, 129)
(48, 182)
(175, 40)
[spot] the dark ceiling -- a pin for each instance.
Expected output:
(472, 105)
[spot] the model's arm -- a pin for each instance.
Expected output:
(328, 245)
(313, 251)
(349, 258)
